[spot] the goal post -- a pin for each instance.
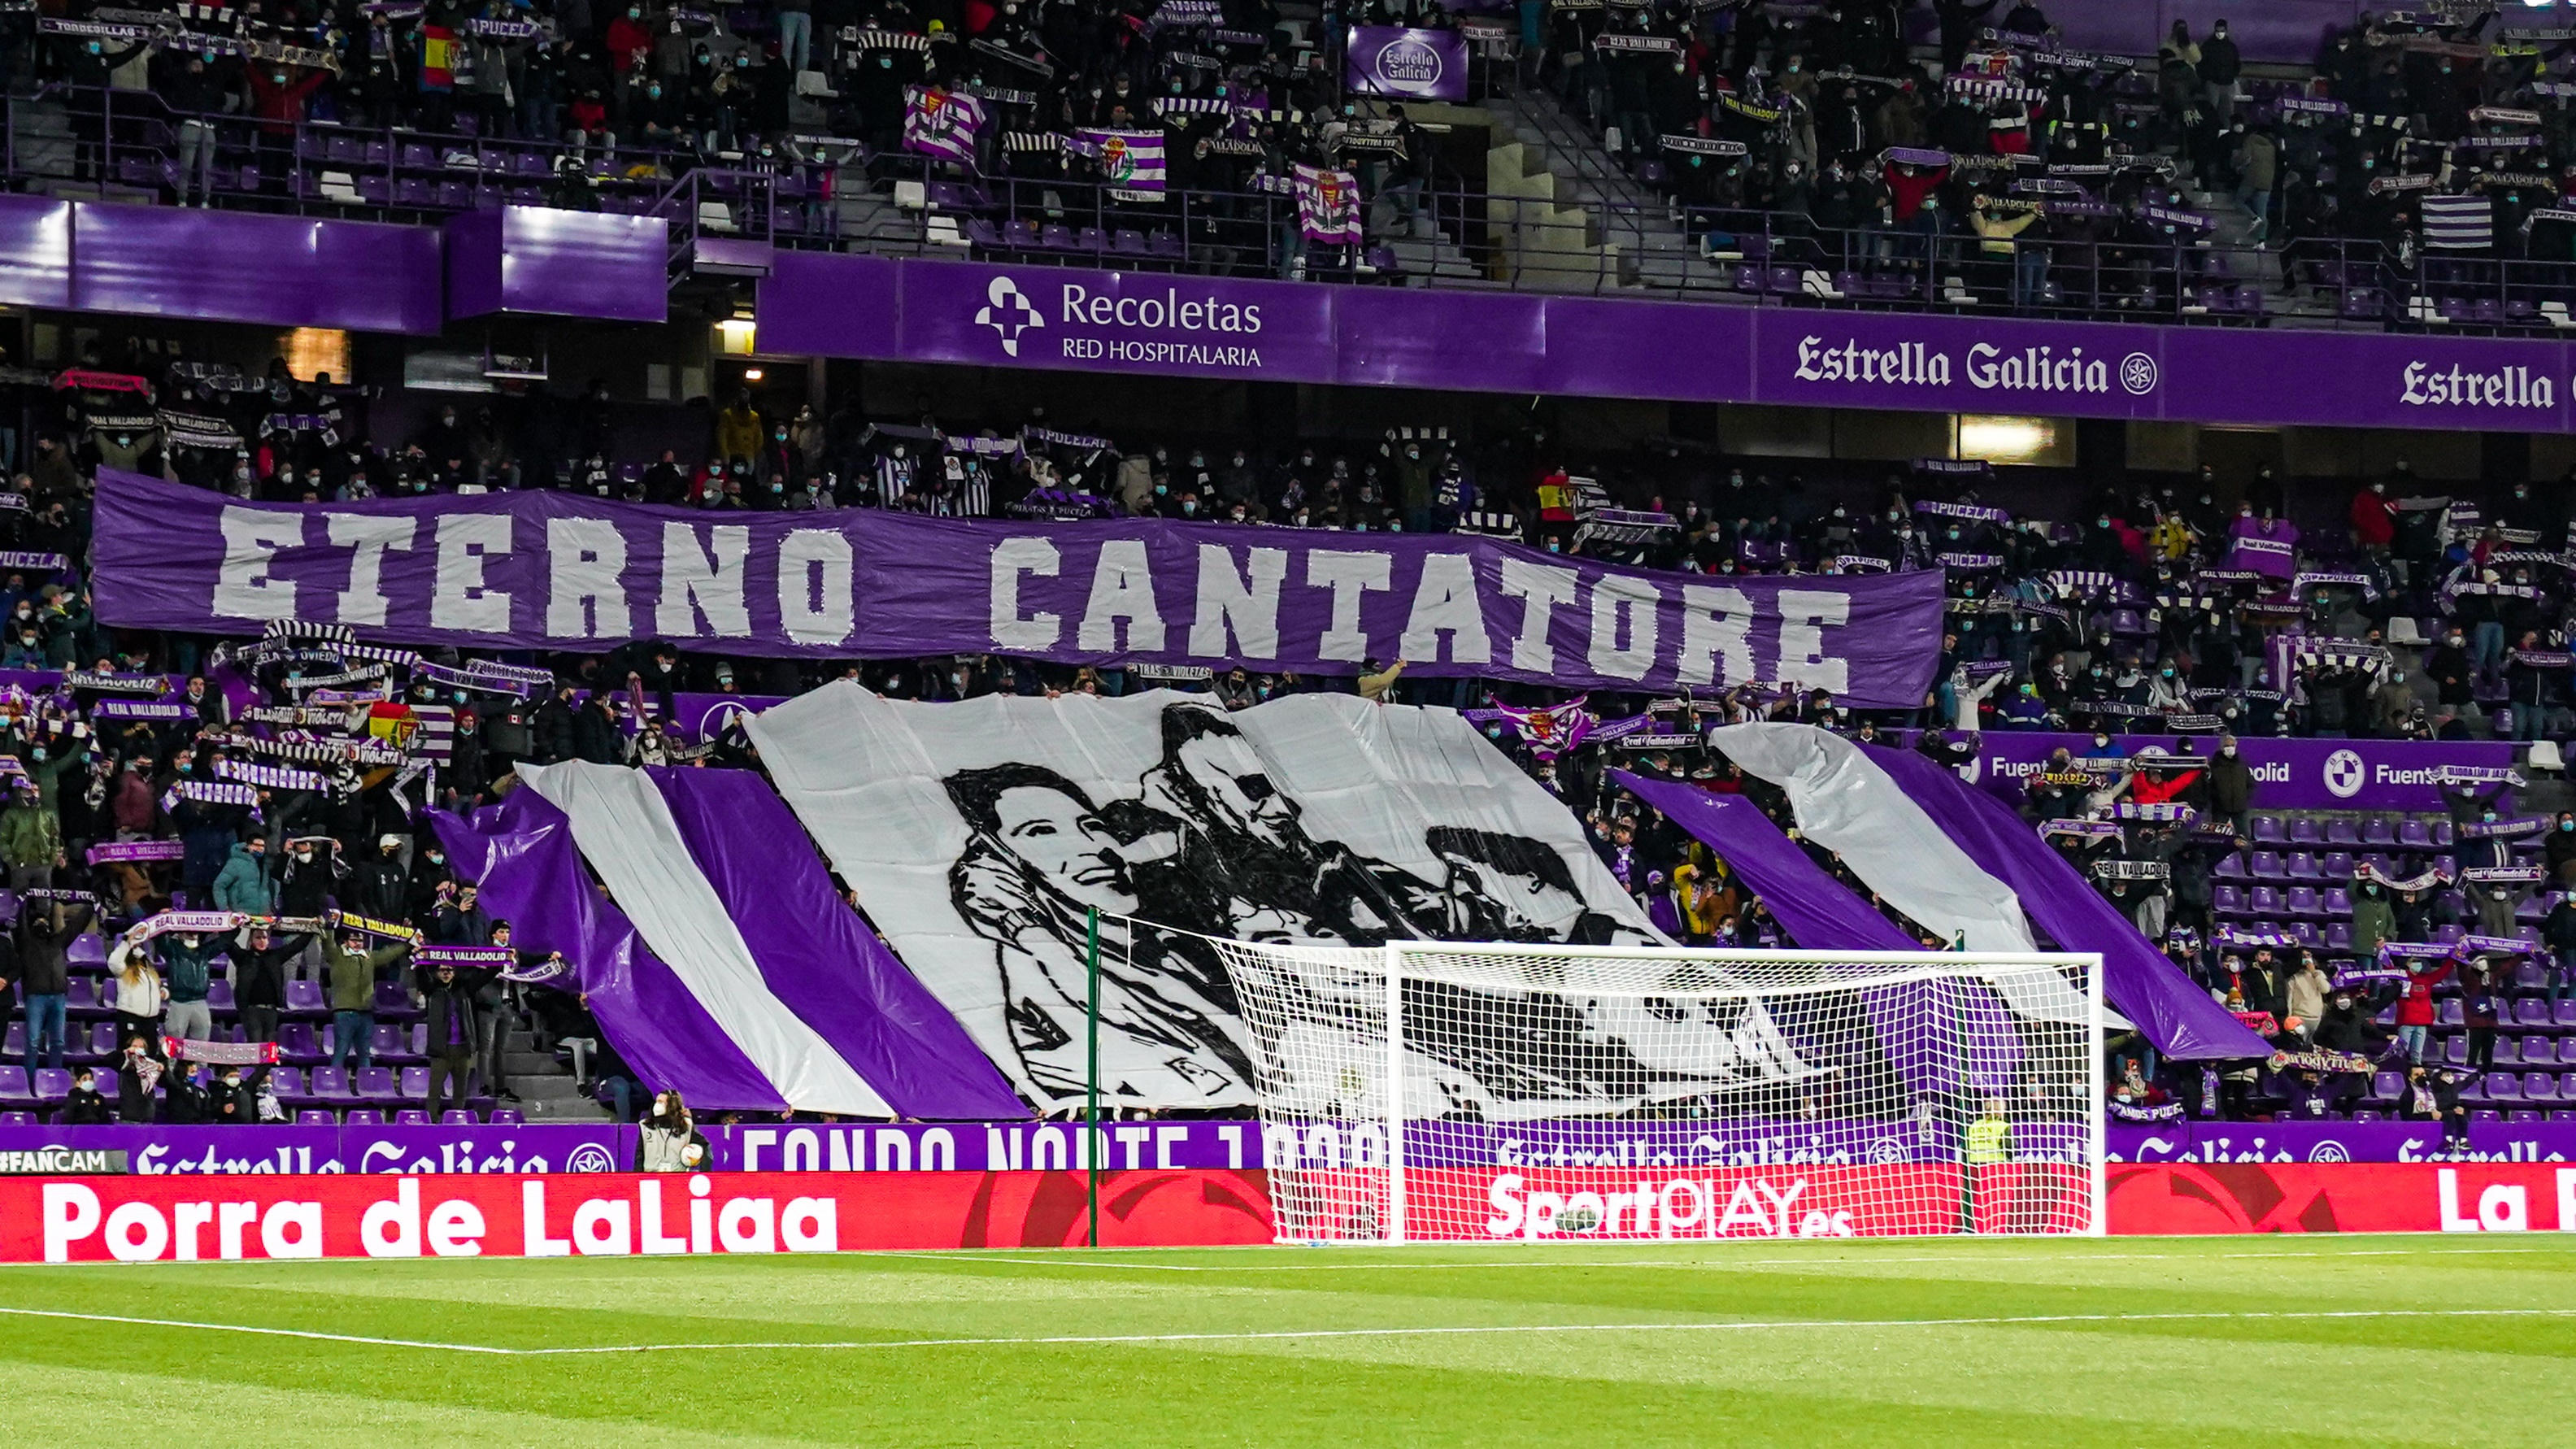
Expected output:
(1449, 1092)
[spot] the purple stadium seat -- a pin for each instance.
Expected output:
(2503, 1087)
(2338, 902)
(2563, 1016)
(2384, 1086)
(2227, 900)
(2508, 1051)
(305, 998)
(2412, 835)
(80, 998)
(13, 1042)
(289, 1082)
(2304, 831)
(219, 996)
(457, 1117)
(1018, 235)
(2455, 1051)
(317, 1117)
(506, 1117)
(99, 1043)
(415, 1084)
(2341, 832)
(2338, 933)
(2300, 865)
(393, 1003)
(2267, 830)
(331, 1084)
(86, 949)
(2532, 1014)
(392, 1046)
(2378, 830)
(2302, 901)
(376, 1084)
(2231, 866)
(362, 1117)
(295, 1043)
(2336, 865)
(53, 1084)
(412, 1117)
(2266, 865)
(2447, 1015)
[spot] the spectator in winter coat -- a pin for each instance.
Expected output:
(454, 1029)
(45, 937)
(259, 978)
(2230, 782)
(379, 887)
(595, 736)
(85, 1107)
(186, 970)
(2415, 1005)
(354, 969)
(31, 839)
(245, 884)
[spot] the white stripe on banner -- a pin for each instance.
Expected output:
(1850, 806)
(625, 830)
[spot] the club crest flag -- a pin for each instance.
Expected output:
(1129, 160)
(941, 123)
(1328, 205)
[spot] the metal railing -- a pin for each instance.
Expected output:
(71, 139)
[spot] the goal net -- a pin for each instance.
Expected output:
(1478, 1093)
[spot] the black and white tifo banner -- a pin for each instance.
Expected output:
(978, 834)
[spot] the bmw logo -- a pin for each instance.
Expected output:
(2344, 774)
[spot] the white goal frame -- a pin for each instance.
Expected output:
(1767, 975)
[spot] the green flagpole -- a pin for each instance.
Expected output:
(1091, 1125)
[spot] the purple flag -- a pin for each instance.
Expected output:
(1390, 60)
(941, 123)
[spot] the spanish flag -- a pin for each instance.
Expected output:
(437, 58)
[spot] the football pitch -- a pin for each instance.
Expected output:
(2141, 1341)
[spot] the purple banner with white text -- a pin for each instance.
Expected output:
(551, 571)
(1418, 65)
(984, 315)
(2289, 774)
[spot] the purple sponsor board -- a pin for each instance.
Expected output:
(1058, 317)
(2339, 1142)
(2294, 774)
(1391, 60)
(546, 570)
(552, 1147)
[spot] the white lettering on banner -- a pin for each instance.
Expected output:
(1989, 368)
(459, 599)
(1152, 313)
(814, 580)
(1446, 602)
(1668, 1209)
(1161, 354)
(695, 582)
(1122, 587)
(1802, 639)
(2504, 1207)
(2510, 387)
(243, 587)
(1717, 636)
(1541, 587)
(584, 597)
(1243, 608)
(1349, 574)
(1623, 626)
(1013, 557)
(367, 536)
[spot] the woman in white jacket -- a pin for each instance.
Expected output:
(139, 994)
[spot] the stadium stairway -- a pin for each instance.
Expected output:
(1578, 221)
(545, 1086)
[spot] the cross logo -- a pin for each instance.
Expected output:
(2344, 774)
(1009, 313)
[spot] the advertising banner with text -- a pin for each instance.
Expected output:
(549, 571)
(983, 315)
(2289, 774)
(2350, 1197)
(201, 1219)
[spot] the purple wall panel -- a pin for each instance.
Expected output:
(35, 251)
(1108, 322)
(473, 264)
(233, 267)
(585, 264)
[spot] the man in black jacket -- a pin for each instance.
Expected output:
(44, 955)
(553, 728)
(595, 737)
(2219, 67)
(454, 1029)
(259, 978)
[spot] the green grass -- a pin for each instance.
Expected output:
(2271, 1343)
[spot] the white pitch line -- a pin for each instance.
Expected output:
(1271, 1335)
(970, 1258)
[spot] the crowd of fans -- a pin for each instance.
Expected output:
(2080, 180)
(2168, 604)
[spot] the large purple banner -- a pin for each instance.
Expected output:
(1419, 65)
(994, 316)
(548, 571)
(2289, 774)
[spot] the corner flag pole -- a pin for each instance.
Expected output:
(1091, 1117)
